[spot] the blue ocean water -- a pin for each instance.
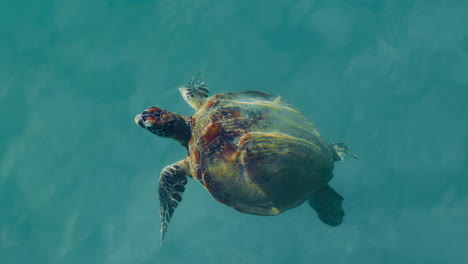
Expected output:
(78, 178)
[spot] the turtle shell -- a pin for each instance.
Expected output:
(257, 154)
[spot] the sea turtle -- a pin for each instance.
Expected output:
(250, 150)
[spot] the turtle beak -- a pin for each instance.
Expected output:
(139, 121)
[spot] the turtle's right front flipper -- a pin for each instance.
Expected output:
(171, 187)
(195, 91)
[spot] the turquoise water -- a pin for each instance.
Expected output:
(78, 178)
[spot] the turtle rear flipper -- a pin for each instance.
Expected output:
(340, 151)
(327, 204)
(171, 187)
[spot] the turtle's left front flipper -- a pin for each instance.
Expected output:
(171, 187)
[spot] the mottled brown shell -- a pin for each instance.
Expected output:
(257, 154)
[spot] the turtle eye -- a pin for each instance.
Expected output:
(148, 120)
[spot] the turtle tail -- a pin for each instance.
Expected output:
(340, 151)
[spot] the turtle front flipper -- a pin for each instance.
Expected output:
(171, 188)
(327, 204)
(195, 91)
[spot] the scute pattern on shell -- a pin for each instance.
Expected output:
(219, 148)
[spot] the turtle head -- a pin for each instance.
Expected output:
(164, 124)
